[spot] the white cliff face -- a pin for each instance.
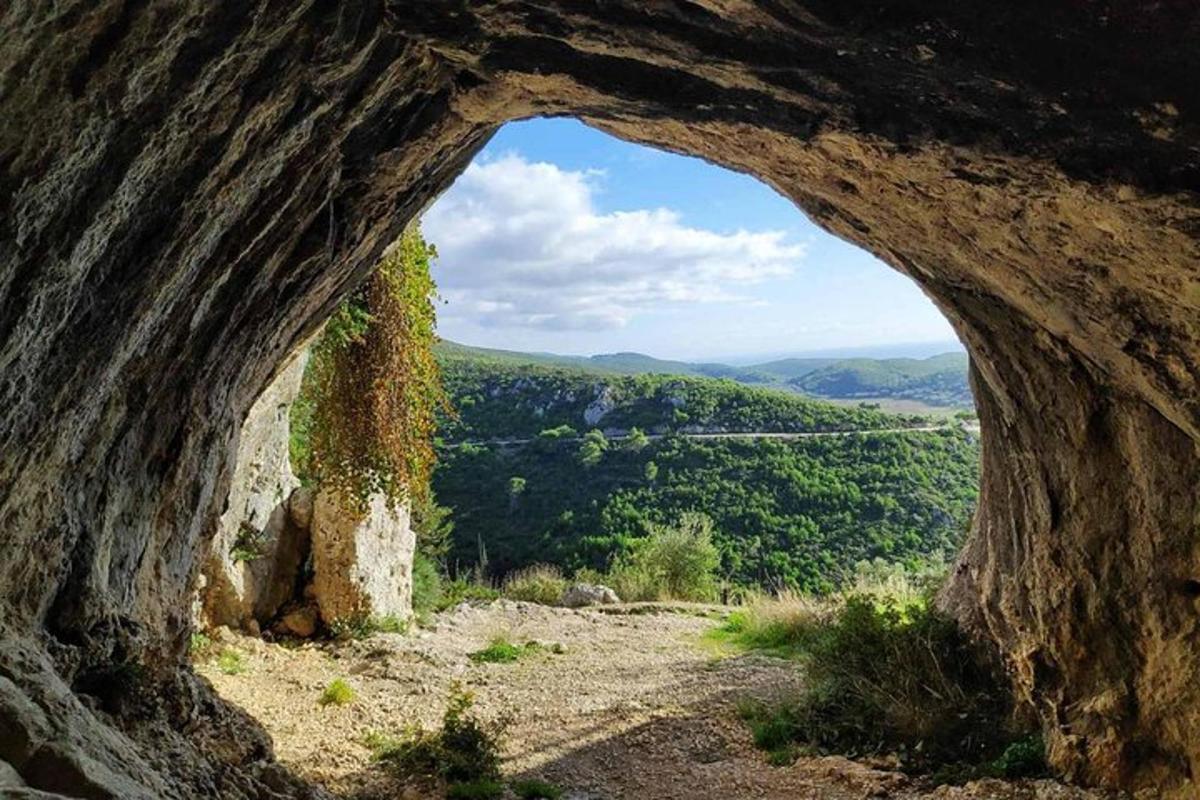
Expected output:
(599, 408)
(362, 564)
(257, 553)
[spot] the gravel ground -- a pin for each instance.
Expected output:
(637, 706)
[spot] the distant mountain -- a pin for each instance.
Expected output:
(936, 381)
(787, 369)
(940, 380)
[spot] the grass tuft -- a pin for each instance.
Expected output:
(482, 789)
(501, 650)
(539, 583)
(337, 693)
(465, 750)
(232, 662)
(534, 789)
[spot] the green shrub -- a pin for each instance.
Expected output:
(337, 693)
(199, 644)
(540, 583)
(466, 589)
(674, 563)
(364, 626)
(464, 750)
(534, 789)
(1024, 758)
(885, 677)
(482, 789)
(633, 581)
(503, 651)
(427, 590)
(232, 662)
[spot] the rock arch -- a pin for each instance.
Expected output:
(187, 188)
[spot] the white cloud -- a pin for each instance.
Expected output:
(522, 245)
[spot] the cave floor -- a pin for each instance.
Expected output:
(636, 705)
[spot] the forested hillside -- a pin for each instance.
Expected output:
(797, 513)
(938, 381)
(531, 476)
(500, 399)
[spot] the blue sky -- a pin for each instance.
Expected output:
(563, 239)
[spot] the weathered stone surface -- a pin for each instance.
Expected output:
(256, 555)
(362, 565)
(579, 595)
(9, 777)
(187, 188)
(300, 622)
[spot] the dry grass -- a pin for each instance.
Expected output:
(538, 583)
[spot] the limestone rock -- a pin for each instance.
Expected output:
(600, 407)
(301, 622)
(188, 188)
(362, 565)
(254, 561)
(9, 777)
(588, 594)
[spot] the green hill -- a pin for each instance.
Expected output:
(936, 381)
(940, 380)
(529, 478)
(501, 399)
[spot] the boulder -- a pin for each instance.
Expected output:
(362, 563)
(588, 594)
(301, 621)
(254, 560)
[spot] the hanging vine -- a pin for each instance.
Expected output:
(372, 390)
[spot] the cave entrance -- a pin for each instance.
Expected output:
(620, 323)
(662, 488)
(204, 186)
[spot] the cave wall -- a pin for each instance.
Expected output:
(187, 188)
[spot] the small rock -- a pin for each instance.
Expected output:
(588, 594)
(301, 622)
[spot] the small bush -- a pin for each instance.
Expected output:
(782, 625)
(337, 693)
(483, 789)
(1024, 758)
(882, 677)
(231, 662)
(540, 583)
(427, 591)
(503, 651)
(673, 563)
(199, 644)
(533, 789)
(463, 751)
(462, 590)
(364, 626)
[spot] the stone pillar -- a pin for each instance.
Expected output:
(258, 551)
(362, 564)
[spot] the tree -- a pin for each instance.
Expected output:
(516, 488)
(595, 443)
(432, 525)
(637, 440)
(682, 558)
(651, 471)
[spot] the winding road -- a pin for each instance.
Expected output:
(969, 427)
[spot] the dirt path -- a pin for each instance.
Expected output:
(636, 706)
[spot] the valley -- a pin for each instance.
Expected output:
(937, 384)
(551, 463)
